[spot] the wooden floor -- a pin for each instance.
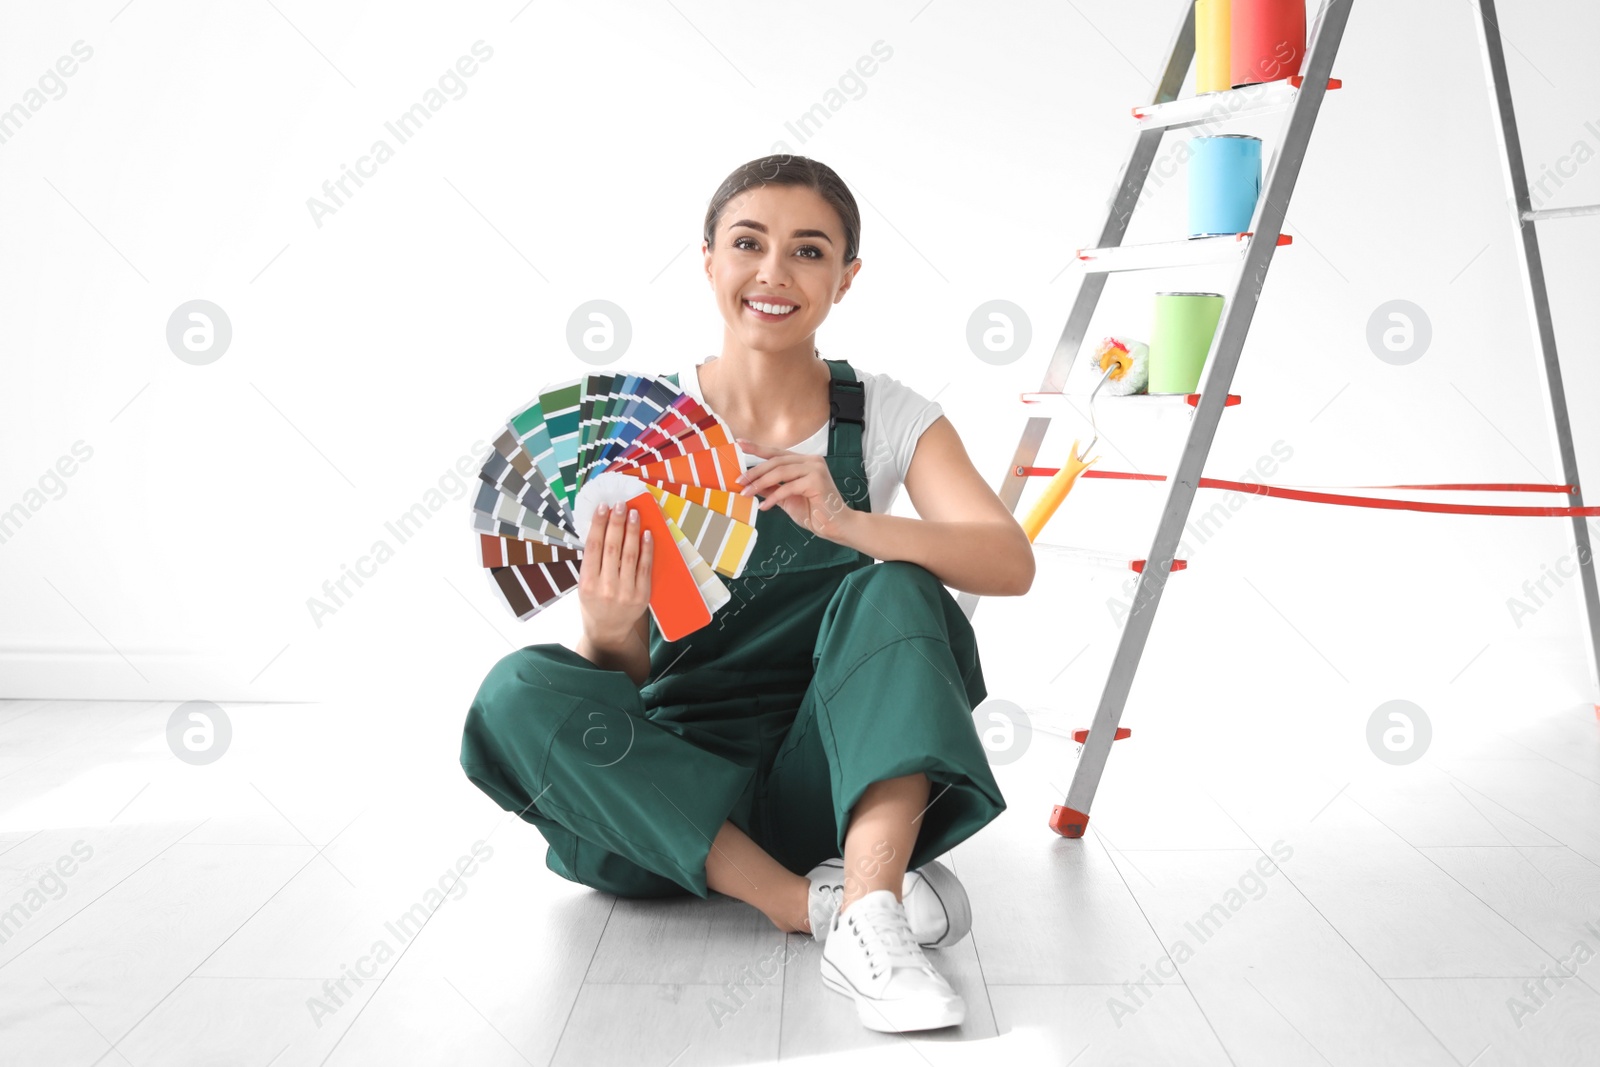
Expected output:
(254, 911)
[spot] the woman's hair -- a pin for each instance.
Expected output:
(790, 170)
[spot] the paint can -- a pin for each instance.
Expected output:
(1180, 339)
(1224, 183)
(1267, 40)
(1212, 70)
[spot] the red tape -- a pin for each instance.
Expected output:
(1282, 492)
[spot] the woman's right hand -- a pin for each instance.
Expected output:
(614, 580)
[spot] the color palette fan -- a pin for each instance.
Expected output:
(607, 439)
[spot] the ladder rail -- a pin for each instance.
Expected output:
(1227, 345)
(1130, 184)
(1537, 297)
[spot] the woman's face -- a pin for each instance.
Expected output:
(783, 246)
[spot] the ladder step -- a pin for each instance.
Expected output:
(1096, 558)
(1186, 253)
(1082, 735)
(1134, 401)
(1217, 107)
(1561, 212)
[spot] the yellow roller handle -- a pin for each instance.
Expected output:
(1054, 493)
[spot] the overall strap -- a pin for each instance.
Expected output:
(847, 422)
(847, 407)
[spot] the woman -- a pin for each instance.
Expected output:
(823, 721)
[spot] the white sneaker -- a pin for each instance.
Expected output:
(872, 956)
(936, 903)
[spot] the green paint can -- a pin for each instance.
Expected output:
(1181, 339)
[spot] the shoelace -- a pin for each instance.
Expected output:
(891, 943)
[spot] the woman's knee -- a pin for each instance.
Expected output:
(894, 572)
(532, 677)
(519, 704)
(898, 591)
(896, 599)
(515, 681)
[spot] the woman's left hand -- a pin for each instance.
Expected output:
(804, 489)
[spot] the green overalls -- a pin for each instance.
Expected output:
(826, 672)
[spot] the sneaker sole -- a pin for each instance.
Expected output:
(892, 1017)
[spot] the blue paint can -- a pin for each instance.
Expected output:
(1224, 183)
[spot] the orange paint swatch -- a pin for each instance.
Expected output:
(675, 598)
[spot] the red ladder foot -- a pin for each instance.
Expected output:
(1067, 822)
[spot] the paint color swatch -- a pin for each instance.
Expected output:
(722, 541)
(665, 453)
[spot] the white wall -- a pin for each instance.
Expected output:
(371, 352)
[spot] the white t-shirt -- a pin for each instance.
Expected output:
(895, 415)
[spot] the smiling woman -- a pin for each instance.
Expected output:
(810, 735)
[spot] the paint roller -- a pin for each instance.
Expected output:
(1054, 493)
(1124, 366)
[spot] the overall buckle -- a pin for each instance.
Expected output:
(849, 405)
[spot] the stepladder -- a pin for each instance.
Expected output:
(1301, 96)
